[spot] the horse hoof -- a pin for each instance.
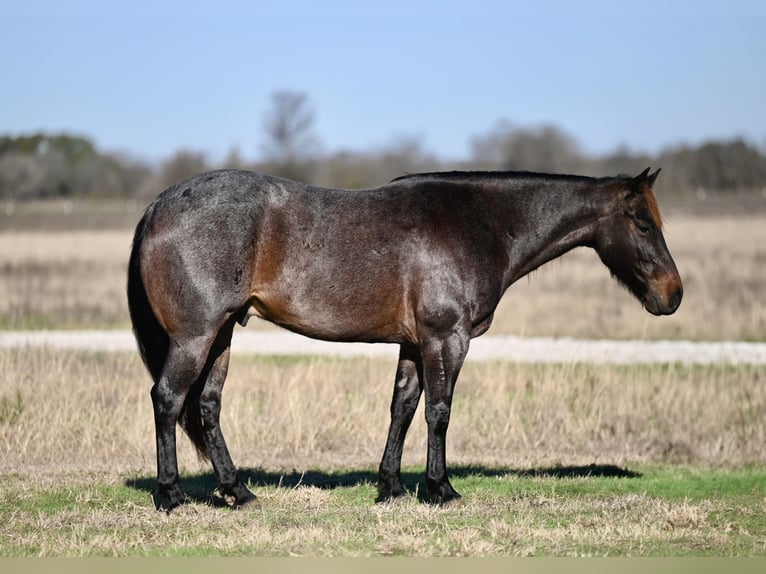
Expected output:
(393, 498)
(388, 494)
(447, 500)
(173, 509)
(247, 503)
(451, 502)
(169, 500)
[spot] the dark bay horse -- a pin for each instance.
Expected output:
(421, 262)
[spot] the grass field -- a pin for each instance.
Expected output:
(559, 460)
(662, 512)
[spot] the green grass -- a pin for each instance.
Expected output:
(557, 511)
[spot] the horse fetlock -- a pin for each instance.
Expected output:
(168, 497)
(239, 496)
(441, 492)
(390, 493)
(389, 486)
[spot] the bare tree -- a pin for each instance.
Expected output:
(545, 148)
(355, 169)
(22, 176)
(290, 143)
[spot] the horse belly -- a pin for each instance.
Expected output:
(335, 313)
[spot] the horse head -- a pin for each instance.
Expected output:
(630, 242)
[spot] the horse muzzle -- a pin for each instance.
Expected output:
(665, 295)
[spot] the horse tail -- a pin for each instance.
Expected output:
(153, 342)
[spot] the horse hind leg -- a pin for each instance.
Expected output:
(183, 365)
(407, 391)
(209, 405)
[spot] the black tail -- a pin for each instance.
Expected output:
(153, 341)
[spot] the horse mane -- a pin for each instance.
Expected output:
(491, 175)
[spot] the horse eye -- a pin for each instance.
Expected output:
(643, 226)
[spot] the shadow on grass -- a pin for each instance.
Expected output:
(200, 487)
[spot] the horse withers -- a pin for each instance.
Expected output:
(421, 262)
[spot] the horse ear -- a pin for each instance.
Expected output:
(651, 178)
(641, 177)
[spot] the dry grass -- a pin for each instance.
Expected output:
(61, 410)
(63, 279)
(76, 279)
(307, 521)
(77, 461)
(298, 523)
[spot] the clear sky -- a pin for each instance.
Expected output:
(151, 77)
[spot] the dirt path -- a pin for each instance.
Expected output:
(539, 349)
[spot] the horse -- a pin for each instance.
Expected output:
(421, 262)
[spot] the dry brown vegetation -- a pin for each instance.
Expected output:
(63, 279)
(65, 411)
(309, 521)
(77, 461)
(76, 279)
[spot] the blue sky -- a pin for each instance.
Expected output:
(151, 77)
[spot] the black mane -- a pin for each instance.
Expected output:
(492, 175)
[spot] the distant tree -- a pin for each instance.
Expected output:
(546, 148)
(406, 155)
(182, 165)
(623, 161)
(21, 176)
(289, 144)
(60, 162)
(27, 145)
(134, 175)
(717, 166)
(64, 165)
(356, 170)
(74, 149)
(731, 165)
(234, 159)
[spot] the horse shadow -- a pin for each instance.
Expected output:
(200, 487)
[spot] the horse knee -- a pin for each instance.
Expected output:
(437, 416)
(210, 409)
(406, 395)
(407, 373)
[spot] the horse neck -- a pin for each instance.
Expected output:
(545, 220)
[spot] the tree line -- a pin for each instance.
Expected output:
(43, 165)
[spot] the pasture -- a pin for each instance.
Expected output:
(561, 460)
(553, 460)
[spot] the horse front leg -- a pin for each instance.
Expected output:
(442, 361)
(407, 391)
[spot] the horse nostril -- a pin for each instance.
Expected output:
(675, 300)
